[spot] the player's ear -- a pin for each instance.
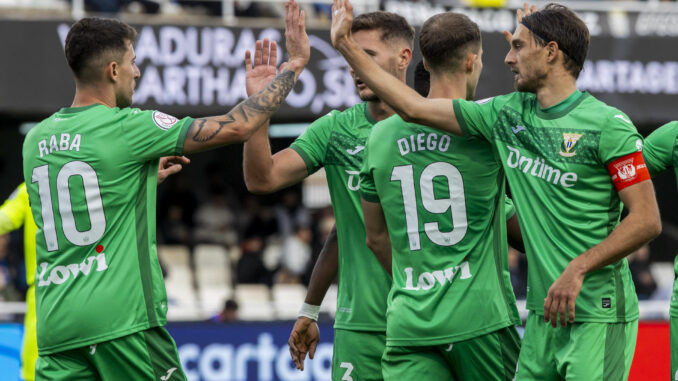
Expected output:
(112, 71)
(551, 51)
(404, 58)
(470, 61)
(425, 65)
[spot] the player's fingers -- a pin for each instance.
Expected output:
(302, 21)
(273, 60)
(265, 51)
(526, 8)
(553, 313)
(547, 306)
(533, 9)
(562, 311)
(519, 15)
(257, 53)
(311, 349)
(570, 309)
(348, 7)
(248, 60)
(507, 35)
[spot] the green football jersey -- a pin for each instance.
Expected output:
(91, 174)
(337, 142)
(555, 161)
(661, 153)
(444, 204)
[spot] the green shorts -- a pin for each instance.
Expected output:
(146, 355)
(488, 357)
(674, 347)
(580, 351)
(357, 355)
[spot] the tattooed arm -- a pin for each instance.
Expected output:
(244, 119)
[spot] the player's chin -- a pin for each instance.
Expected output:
(367, 95)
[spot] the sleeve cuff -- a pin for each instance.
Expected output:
(310, 165)
(179, 149)
(456, 105)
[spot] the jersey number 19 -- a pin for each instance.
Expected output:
(456, 203)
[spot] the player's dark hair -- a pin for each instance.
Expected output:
(92, 39)
(422, 79)
(391, 25)
(446, 39)
(559, 24)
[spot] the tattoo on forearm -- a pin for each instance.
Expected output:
(256, 108)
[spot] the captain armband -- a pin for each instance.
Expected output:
(628, 170)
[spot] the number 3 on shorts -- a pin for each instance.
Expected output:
(349, 368)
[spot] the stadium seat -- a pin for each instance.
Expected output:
(287, 298)
(212, 299)
(254, 302)
(212, 267)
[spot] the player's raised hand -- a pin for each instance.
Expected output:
(304, 339)
(520, 13)
(562, 295)
(260, 71)
(296, 40)
(170, 165)
(342, 19)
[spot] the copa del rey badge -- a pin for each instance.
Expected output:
(164, 121)
(569, 141)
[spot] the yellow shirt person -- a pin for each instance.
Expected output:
(14, 213)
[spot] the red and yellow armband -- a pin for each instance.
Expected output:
(628, 170)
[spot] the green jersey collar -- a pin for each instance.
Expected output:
(368, 116)
(561, 108)
(72, 110)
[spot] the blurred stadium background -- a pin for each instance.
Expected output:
(237, 264)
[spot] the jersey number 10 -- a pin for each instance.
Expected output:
(456, 203)
(95, 207)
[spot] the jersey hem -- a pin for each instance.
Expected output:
(360, 327)
(97, 339)
(427, 341)
(369, 197)
(594, 319)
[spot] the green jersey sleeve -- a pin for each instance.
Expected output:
(153, 134)
(312, 144)
(619, 138)
(477, 118)
(368, 190)
(510, 208)
(660, 148)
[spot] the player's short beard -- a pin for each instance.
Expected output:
(122, 101)
(532, 83)
(370, 97)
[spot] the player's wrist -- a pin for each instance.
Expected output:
(309, 311)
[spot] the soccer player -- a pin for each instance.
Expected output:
(442, 198)
(15, 213)
(336, 142)
(91, 174)
(661, 153)
(570, 161)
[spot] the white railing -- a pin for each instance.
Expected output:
(649, 310)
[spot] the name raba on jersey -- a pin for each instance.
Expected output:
(64, 143)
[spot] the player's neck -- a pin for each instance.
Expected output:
(87, 95)
(556, 90)
(448, 86)
(379, 110)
